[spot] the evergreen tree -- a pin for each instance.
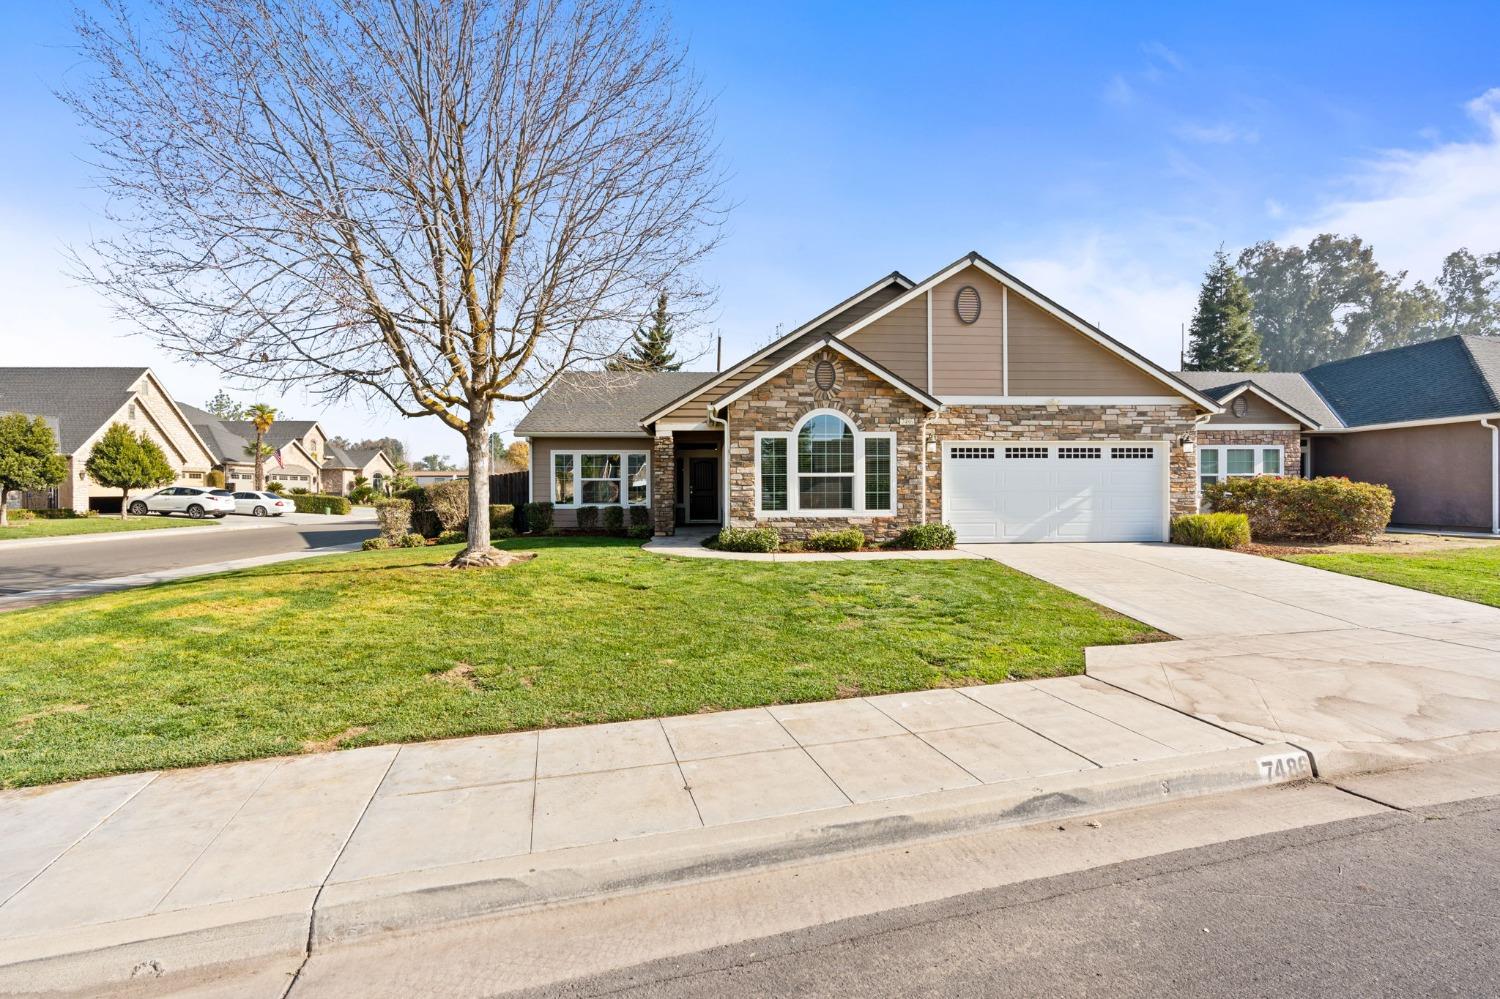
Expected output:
(1222, 337)
(224, 407)
(28, 457)
(651, 346)
(124, 461)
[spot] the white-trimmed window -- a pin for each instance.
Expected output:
(825, 468)
(601, 478)
(1219, 462)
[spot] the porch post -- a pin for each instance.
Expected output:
(664, 482)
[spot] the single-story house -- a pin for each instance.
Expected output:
(80, 404)
(968, 397)
(429, 476)
(1423, 419)
(342, 465)
(297, 443)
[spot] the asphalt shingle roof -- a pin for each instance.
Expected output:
(606, 402)
(76, 401)
(222, 442)
(281, 432)
(1290, 387)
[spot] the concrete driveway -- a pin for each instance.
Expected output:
(1362, 675)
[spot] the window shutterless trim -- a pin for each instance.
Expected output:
(576, 454)
(794, 506)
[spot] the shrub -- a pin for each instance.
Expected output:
(364, 495)
(420, 500)
(502, 515)
(614, 520)
(375, 544)
(640, 516)
(850, 539)
(319, 503)
(588, 518)
(452, 537)
(450, 501)
(639, 531)
(214, 479)
(927, 537)
(61, 513)
(1324, 509)
(301, 491)
(538, 517)
(275, 487)
(748, 539)
(1212, 530)
(21, 515)
(412, 541)
(499, 532)
(395, 518)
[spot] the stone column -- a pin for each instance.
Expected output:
(664, 483)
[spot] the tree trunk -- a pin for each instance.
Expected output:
(124, 504)
(478, 441)
(4, 507)
(260, 462)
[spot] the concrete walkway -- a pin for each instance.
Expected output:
(237, 858)
(1363, 675)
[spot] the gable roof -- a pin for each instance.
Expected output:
(1287, 389)
(76, 401)
(974, 259)
(222, 443)
(838, 346)
(606, 402)
(281, 432)
(826, 322)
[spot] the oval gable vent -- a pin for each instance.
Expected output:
(966, 303)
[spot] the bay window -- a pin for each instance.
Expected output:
(825, 467)
(601, 478)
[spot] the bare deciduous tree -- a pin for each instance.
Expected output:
(441, 203)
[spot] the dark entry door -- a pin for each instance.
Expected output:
(703, 490)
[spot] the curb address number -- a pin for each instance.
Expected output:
(1288, 766)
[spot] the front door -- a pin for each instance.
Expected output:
(703, 490)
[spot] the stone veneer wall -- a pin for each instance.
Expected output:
(870, 405)
(1290, 440)
(664, 484)
(1065, 423)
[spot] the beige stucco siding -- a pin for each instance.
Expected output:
(1258, 411)
(897, 341)
(967, 358)
(541, 464)
(1048, 357)
(1440, 474)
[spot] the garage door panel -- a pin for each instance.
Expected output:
(1055, 492)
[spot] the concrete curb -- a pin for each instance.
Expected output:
(276, 926)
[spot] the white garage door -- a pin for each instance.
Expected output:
(1083, 491)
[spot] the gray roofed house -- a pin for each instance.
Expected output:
(78, 401)
(1424, 381)
(606, 402)
(282, 431)
(1290, 387)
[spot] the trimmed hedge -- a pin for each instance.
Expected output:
(927, 537)
(501, 532)
(640, 516)
(320, 503)
(614, 520)
(452, 537)
(850, 539)
(1212, 530)
(502, 515)
(395, 518)
(588, 519)
(748, 539)
(539, 517)
(411, 541)
(639, 531)
(375, 544)
(1323, 509)
(450, 501)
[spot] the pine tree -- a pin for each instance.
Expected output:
(1222, 337)
(651, 346)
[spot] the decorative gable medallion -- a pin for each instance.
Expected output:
(966, 303)
(826, 376)
(1240, 406)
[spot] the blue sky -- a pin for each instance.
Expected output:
(1099, 153)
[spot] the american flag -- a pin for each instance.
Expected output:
(277, 456)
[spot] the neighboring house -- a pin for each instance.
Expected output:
(293, 463)
(426, 477)
(342, 466)
(968, 398)
(1423, 419)
(80, 404)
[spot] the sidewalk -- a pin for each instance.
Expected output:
(204, 865)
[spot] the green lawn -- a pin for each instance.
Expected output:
(390, 646)
(42, 528)
(1466, 573)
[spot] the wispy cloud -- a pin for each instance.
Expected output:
(1221, 133)
(1158, 52)
(1416, 206)
(1119, 92)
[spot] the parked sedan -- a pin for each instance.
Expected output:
(191, 500)
(262, 504)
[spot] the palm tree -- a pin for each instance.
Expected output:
(261, 417)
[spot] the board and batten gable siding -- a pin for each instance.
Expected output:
(967, 357)
(898, 341)
(1050, 358)
(1259, 412)
(541, 464)
(696, 407)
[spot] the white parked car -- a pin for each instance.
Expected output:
(262, 504)
(194, 501)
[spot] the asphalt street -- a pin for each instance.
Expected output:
(34, 567)
(1405, 904)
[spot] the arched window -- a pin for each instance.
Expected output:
(825, 467)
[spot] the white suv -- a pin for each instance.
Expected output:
(191, 500)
